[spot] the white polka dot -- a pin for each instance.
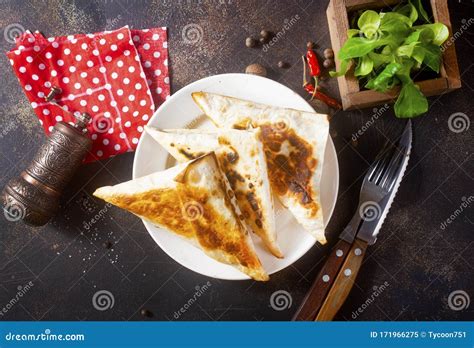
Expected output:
(78, 57)
(55, 44)
(22, 69)
(143, 102)
(102, 41)
(36, 48)
(94, 136)
(72, 69)
(140, 129)
(59, 118)
(70, 37)
(157, 72)
(135, 140)
(77, 85)
(126, 80)
(83, 74)
(118, 120)
(35, 77)
(67, 51)
(339, 253)
(71, 97)
(54, 73)
(29, 59)
(90, 63)
(108, 86)
(325, 278)
(46, 112)
(108, 58)
(136, 38)
(113, 103)
(145, 117)
(159, 90)
(28, 87)
(155, 37)
(110, 131)
(117, 147)
(102, 69)
(347, 272)
(66, 79)
(40, 95)
(156, 54)
(165, 44)
(47, 84)
(138, 86)
(73, 41)
(105, 141)
(84, 46)
(146, 46)
(166, 62)
(120, 63)
(99, 153)
(125, 109)
(120, 36)
(42, 66)
(127, 124)
(113, 47)
(50, 39)
(83, 102)
(131, 97)
(126, 53)
(95, 108)
(167, 80)
(107, 114)
(34, 105)
(89, 91)
(120, 91)
(50, 128)
(101, 97)
(95, 80)
(48, 55)
(60, 62)
(122, 136)
(135, 113)
(131, 69)
(95, 52)
(147, 64)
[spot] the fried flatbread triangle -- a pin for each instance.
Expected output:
(192, 201)
(240, 156)
(294, 143)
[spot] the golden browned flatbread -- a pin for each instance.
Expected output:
(193, 201)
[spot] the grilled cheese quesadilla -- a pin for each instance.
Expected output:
(294, 143)
(193, 201)
(241, 157)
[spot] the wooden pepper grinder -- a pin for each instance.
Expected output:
(34, 196)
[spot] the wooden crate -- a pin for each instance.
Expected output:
(351, 94)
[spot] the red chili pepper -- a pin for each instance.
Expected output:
(313, 63)
(321, 96)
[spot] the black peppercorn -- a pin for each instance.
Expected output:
(283, 65)
(250, 42)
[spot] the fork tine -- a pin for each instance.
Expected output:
(375, 168)
(392, 168)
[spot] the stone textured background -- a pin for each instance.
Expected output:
(67, 264)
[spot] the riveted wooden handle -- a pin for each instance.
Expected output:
(343, 282)
(322, 284)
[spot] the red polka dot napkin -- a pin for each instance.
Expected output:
(119, 77)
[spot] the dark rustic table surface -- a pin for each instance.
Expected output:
(417, 263)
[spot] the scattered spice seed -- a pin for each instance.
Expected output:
(266, 34)
(283, 65)
(328, 53)
(310, 45)
(256, 69)
(250, 42)
(328, 63)
(146, 313)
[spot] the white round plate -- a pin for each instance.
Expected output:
(177, 112)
